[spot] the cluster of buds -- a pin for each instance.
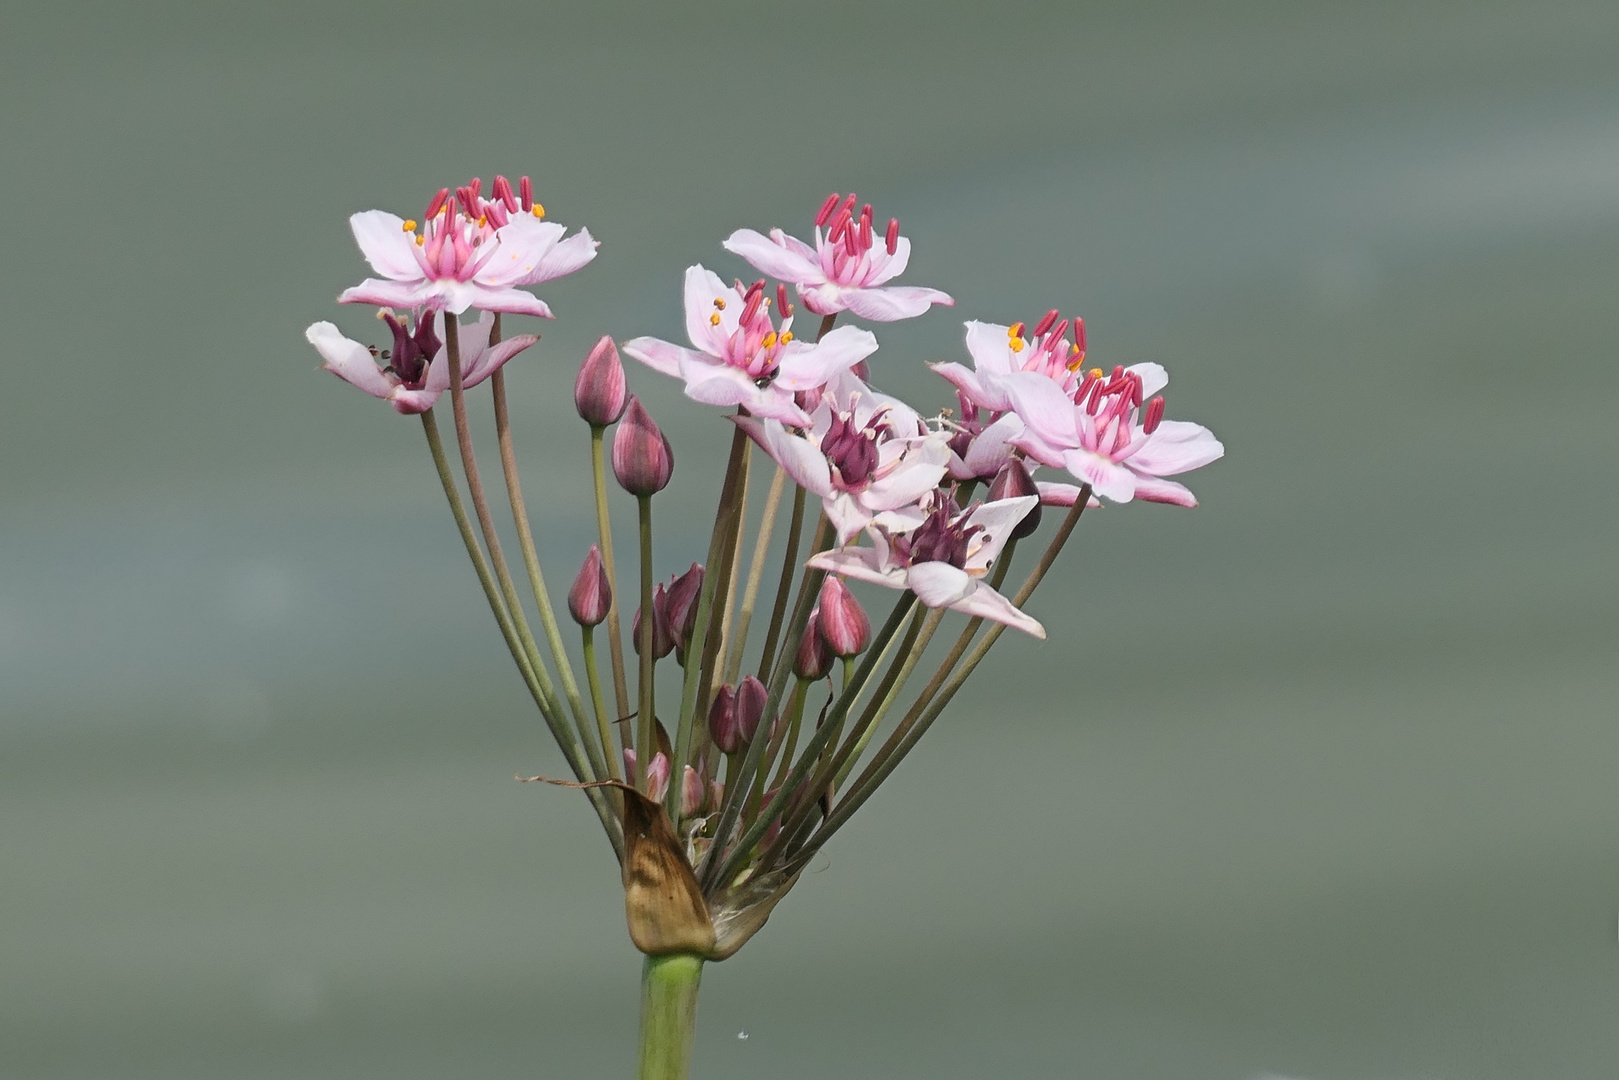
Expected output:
(895, 489)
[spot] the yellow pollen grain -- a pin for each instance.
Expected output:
(418, 239)
(1015, 330)
(719, 302)
(787, 335)
(482, 220)
(770, 338)
(408, 226)
(1096, 373)
(538, 211)
(1073, 350)
(1016, 344)
(714, 319)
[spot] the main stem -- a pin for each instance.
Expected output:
(668, 1016)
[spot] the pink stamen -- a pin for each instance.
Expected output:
(436, 204)
(1079, 334)
(851, 241)
(891, 237)
(1086, 385)
(848, 204)
(1135, 390)
(525, 192)
(751, 309)
(840, 221)
(503, 194)
(825, 213)
(1054, 338)
(476, 186)
(1045, 322)
(865, 227)
(782, 305)
(1155, 415)
(468, 201)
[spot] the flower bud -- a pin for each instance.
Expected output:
(844, 625)
(751, 696)
(591, 594)
(716, 794)
(599, 391)
(680, 605)
(722, 721)
(643, 460)
(662, 643)
(657, 777)
(1012, 482)
(692, 790)
(813, 659)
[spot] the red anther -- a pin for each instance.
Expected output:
(1114, 380)
(1055, 336)
(1135, 389)
(1086, 385)
(525, 193)
(751, 309)
(840, 221)
(865, 228)
(1155, 415)
(503, 194)
(824, 215)
(468, 200)
(1015, 330)
(436, 203)
(891, 237)
(783, 308)
(848, 204)
(1045, 322)
(476, 187)
(757, 286)
(1079, 334)
(851, 241)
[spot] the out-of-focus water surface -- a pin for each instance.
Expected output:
(1314, 781)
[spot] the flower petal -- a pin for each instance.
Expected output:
(1153, 489)
(386, 244)
(846, 516)
(976, 387)
(1176, 447)
(773, 258)
(661, 356)
(1153, 377)
(862, 564)
(991, 447)
(348, 360)
(985, 603)
(715, 384)
(394, 294)
(494, 358)
(1106, 479)
(1064, 494)
(411, 402)
(703, 286)
(1050, 414)
(563, 258)
(813, 365)
(987, 343)
(938, 584)
(804, 463)
(895, 302)
(996, 519)
(893, 265)
(510, 301)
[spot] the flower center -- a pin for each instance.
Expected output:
(942, 537)
(756, 345)
(850, 238)
(458, 230)
(411, 352)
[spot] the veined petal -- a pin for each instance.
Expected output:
(846, 515)
(1153, 377)
(985, 603)
(715, 384)
(893, 265)
(383, 293)
(1152, 489)
(1176, 447)
(1064, 494)
(662, 356)
(894, 302)
(348, 360)
(970, 383)
(411, 402)
(523, 243)
(773, 258)
(703, 286)
(987, 342)
(385, 244)
(920, 473)
(938, 584)
(777, 404)
(564, 258)
(1108, 480)
(813, 365)
(1049, 413)
(495, 356)
(804, 463)
(862, 564)
(509, 301)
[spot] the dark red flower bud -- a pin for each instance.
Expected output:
(722, 721)
(600, 392)
(662, 643)
(844, 625)
(680, 605)
(1012, 482)
(591, 594)
(751, 696)
(813, 659)
(643, 460)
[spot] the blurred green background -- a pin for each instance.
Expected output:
(1314, 781)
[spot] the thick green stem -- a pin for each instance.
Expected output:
(668, 1016)
(646, 741)
(604, 530)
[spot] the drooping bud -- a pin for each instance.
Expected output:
(592, 594)
(1014, 482)
(813, 659)
(662, 643)
(751, 697)
(599, 391)
(722, 721)
(692, 790)
(844, 625)
(643, 460)
(680, 605)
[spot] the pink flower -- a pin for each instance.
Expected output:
(742, 358)
(867, 455)
(980, 452)
(415, 371)
(1102, 435)
(471, 252)
(845, 269)
(998, 351)
(943, 559)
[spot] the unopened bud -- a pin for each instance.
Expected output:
(751, 697)
(716, 794)
(722, 722)
(599, 392)
(813, 659)
(680, 605)
(592, 594)
(844, 625)
(662, 643)
(657, 777)
(643, 460)
(1014, 482)
(691, 792)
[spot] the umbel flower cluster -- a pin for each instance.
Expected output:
(715, 802)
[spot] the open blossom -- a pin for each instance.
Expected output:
(867, 455)
(998, 351)
(1102, 434)
(943, 559)
(742, 357)
(470, 252)
(846, 269)
(416, 371)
